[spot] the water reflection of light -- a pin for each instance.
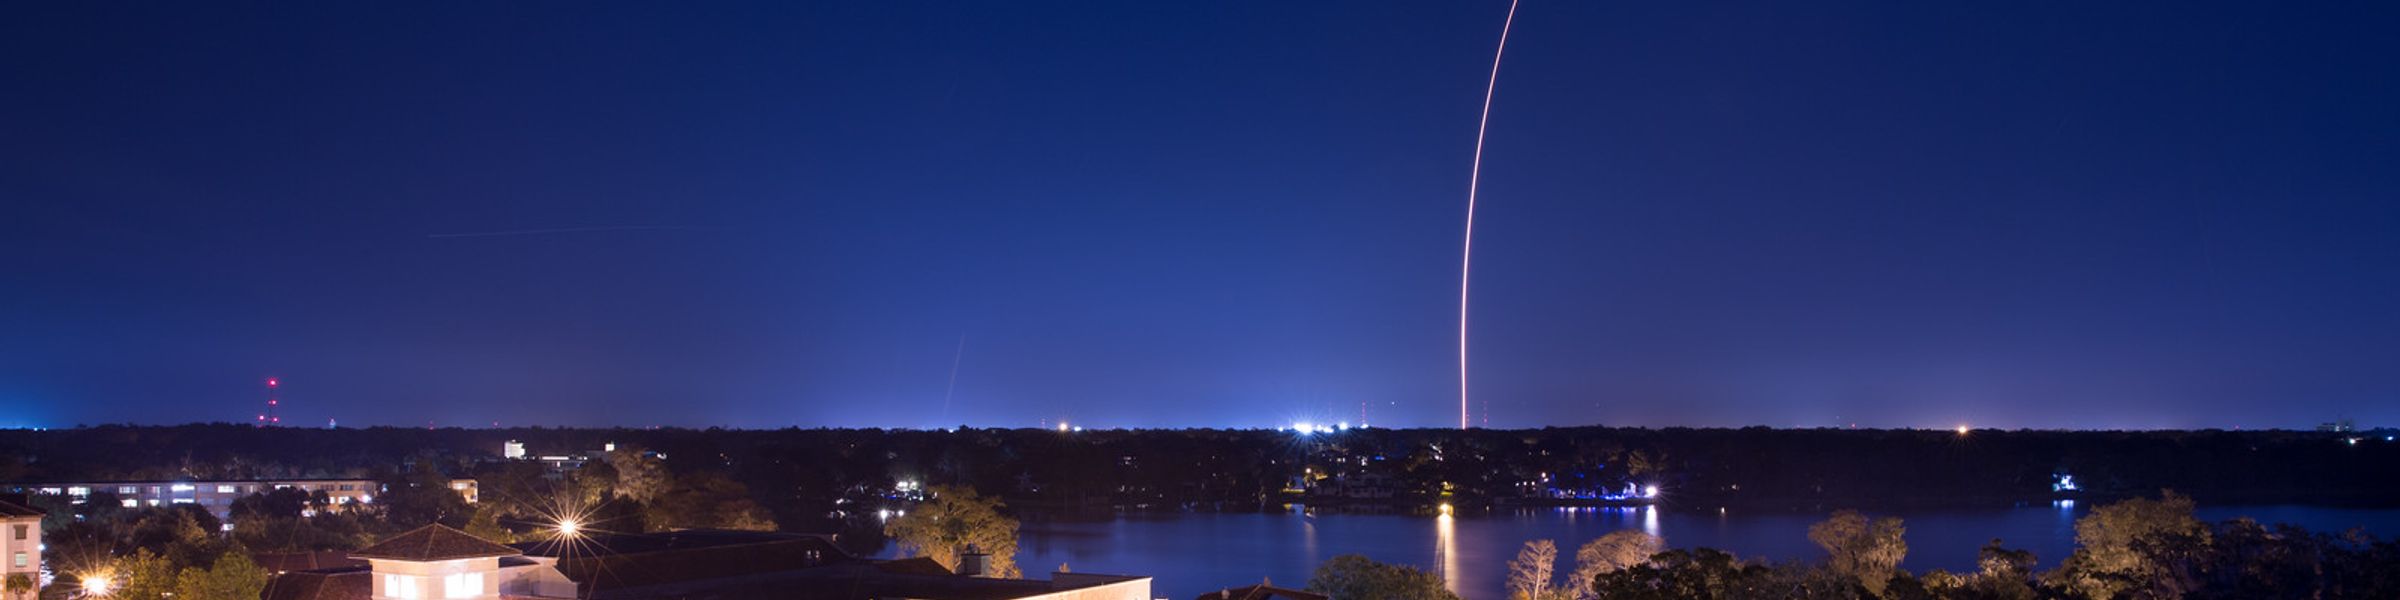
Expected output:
(1650, 520)
(1308, 537)
(1445, 550)
(2066, 505)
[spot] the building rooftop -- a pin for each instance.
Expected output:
(697, 565)
(346, 583)
(1262, 591)
(609, 544)
(12, 509)
(278, 562)
(431, 543)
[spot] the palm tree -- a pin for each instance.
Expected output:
(19, 586)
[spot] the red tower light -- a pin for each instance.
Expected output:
(274, 387)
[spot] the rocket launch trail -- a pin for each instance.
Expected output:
(1466, 259)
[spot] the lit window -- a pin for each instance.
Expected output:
(21, 560)
(183, 501)
(131, 503)
(51, 491)
(181, 487)
(400, 586)
(154, 502)
(225, 489)
(462, 585)
(79, 491)
(127, 490)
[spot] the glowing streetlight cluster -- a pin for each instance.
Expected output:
(1307, 428)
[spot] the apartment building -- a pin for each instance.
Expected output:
(218, 496)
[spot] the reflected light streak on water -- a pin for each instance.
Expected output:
(1445, 549)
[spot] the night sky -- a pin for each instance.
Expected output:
(1154, 214)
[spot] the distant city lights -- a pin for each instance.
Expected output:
(1309, 428)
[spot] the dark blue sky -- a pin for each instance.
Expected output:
(2066, 214)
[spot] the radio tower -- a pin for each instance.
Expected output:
(269, 418)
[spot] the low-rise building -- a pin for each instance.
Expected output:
(437, 562)
(218, 496)
(20, 541)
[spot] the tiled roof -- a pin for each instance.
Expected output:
(1261, 592)
(354, 583)
(922, 565)
(431, 543)
(653, 559)
(279, 562)
(12, 509)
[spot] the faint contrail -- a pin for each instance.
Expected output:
(555, 230)
(1466, 256)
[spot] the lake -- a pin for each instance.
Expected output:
(1191, 553)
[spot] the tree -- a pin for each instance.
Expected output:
(1867, 550)
(1530, 574)
(1354, 577)
(2134, 547)
(234, 577)
(2005, 573)
(706, 499)
(274, 503)
(1620, 549)
(951, 522)
(1697, 574)
(486, 524)
(422, 497)
(19, 586)
(639, 476)
(143, 575)
(182, 534)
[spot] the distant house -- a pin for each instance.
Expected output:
(21, 540)
(1262, 591)
(1361, 486)
(437, 562)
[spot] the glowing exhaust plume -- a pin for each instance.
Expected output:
(1466, 258)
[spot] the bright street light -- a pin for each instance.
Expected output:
(97, 585)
